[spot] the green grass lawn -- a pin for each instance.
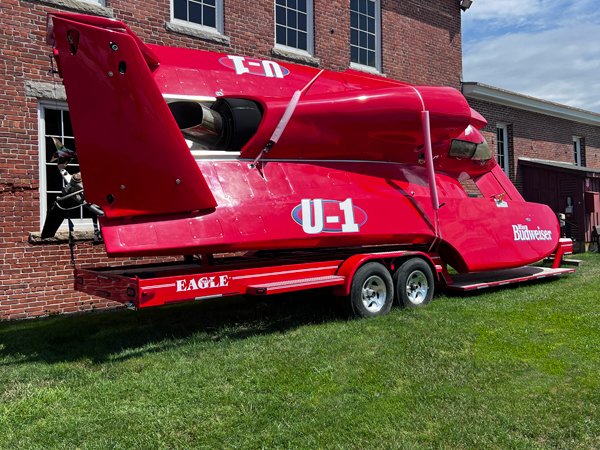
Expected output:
(507, 368)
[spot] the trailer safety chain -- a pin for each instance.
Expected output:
(71, 239)
(97, 235)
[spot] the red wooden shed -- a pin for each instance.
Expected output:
(568, 189)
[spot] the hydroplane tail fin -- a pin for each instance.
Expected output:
(133, 159)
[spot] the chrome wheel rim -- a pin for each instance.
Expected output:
(417, 287)
(374, 294)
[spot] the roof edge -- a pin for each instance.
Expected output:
(560, 166)
(492, 94)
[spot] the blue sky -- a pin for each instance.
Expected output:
(548, 49)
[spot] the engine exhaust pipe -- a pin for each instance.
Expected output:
(227, 125)
(197, 122)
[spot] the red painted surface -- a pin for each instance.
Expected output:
(36, 278)
(348, 169)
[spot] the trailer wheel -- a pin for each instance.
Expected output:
(414, 283)
(371, 292)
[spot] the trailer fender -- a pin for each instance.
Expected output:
(349, 267)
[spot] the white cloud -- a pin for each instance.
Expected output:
(559, 62)
(505, 10)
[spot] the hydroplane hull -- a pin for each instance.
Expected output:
(348, 166)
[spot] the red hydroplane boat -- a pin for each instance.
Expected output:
(187, 152)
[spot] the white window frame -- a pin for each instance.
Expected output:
(505, 162)
(363, 67)
(309, 30)
(218, 19)
(86, 224)
(577, 150)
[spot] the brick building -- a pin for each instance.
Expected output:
(401, 39)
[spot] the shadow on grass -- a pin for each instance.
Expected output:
(98, 337)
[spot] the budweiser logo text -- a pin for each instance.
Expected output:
(522, 233)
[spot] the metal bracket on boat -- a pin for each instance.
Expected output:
(256, 161)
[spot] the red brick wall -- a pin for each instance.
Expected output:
(535, 135)
(422, 41)
(37, 279)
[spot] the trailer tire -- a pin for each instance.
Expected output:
(414, 283)
(371, 291)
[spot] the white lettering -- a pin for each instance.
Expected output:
(271, 66)
(224, 280)
(307, 220)
(350, 226)
(192, 286)
(516, 232)
(523, 233)
(180, 285)
(203, 283)
(238, 63)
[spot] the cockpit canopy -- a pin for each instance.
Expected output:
(470, 150)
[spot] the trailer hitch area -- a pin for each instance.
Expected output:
(130, 306)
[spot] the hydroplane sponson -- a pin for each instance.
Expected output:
(188, 152)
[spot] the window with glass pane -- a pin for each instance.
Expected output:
(502, 147)
(201, 12)
(292, 23)
(57, 124)
(577, 150)
(363, 32)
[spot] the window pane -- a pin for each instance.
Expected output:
(354, 37)
(371, 25)
(371, 61)
(291, 4)
(52, 120)
(302, 22)
(210, 16)
(363, 39)
(280, 16)
(180, 9)
(371, 8)
(302, 41)
(363, 56)
(362, 6)
(195, 13)
(209, 2)
(68, 129)
(291, 18)
(281, 2)
(291, 38)
(362, 22)
(50, 149)
(302, 6)
(354, 54)
(353, 5)
(53, 178)
(371, 43)
(354, 20)
(280, 35)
